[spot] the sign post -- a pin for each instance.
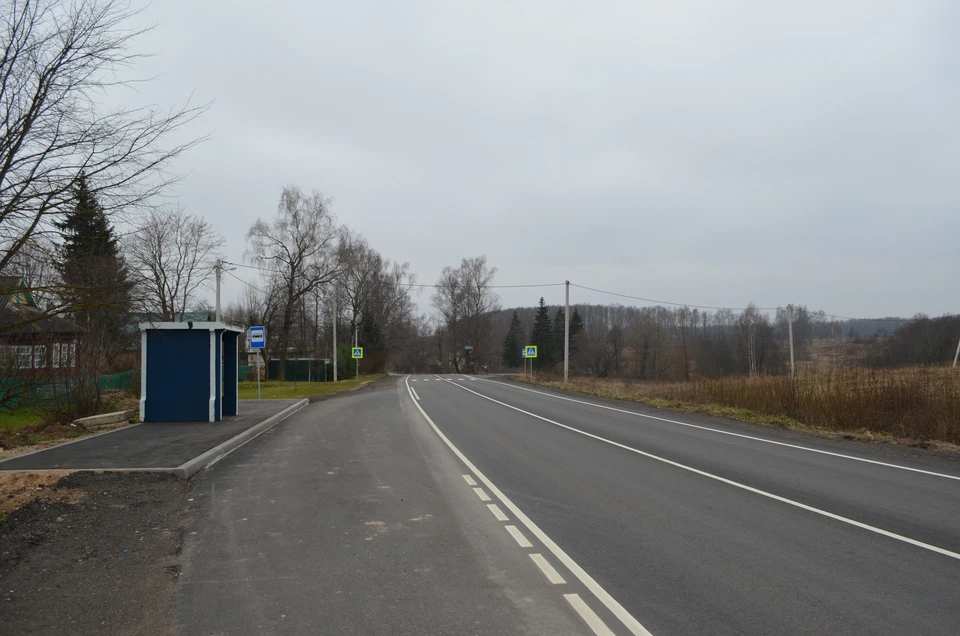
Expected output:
(258, 341)
(530, 352)
(358, 356)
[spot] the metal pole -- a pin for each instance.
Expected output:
(793, 369)
(334, 300)
(356, 343)
(566, 335)
(218, 267)
(956, 355)
(259, 367)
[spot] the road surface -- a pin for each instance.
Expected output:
(504, 508)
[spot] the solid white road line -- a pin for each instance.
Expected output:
(483, 495)
(736, 484)
(518, 536)
(469, 480)
(548, 570)
(495, 509)
(415, 393)
(601, 594)
(722, 432)
(588, 615)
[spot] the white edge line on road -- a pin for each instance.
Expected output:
(415, 393)
(495, 509)
(602, 595)
(548, 570)
(483, 495)
(469, 480)
(521, 540)
(588, 615)
(716, 430)
(736, 484)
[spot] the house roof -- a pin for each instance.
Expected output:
(20, 315)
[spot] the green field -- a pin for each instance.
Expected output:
(273, 389)
(24, 416)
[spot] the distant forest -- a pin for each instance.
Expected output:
(660, 343)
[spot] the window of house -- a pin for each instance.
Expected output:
(40, 356)
(73, 355)
(24, 357)
(56, 355)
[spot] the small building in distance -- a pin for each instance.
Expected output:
(33, 343)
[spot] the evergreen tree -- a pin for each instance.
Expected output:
(95, 278)
(86, 232)
(513, 343)
(558, 335)
(576, 326)
(542, 336)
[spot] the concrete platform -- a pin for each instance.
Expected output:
(182, 448)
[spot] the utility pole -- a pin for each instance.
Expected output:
(793, 370)
(219, 269)
(956, 356)
(334, 300)
(566, 335)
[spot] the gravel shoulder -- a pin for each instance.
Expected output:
(96, 554)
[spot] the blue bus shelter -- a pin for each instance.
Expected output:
(188, 371)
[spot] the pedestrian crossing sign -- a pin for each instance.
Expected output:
(358, 352)
(530, 351)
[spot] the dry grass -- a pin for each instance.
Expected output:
(914, 403)
(20, 488)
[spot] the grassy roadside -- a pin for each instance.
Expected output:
(285, 390)
(25, 416)
(910, 407)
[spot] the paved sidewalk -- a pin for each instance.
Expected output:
(155, 445)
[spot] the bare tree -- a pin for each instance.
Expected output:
(464, 297)
(58, 57)
(450, 299)
(301, 247)
(172, 255)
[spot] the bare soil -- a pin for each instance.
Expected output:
(94, 553)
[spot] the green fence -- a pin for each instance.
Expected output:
(299, 370)
(46, 388)
(117, 381)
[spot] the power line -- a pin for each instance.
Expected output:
(664, 302)
(409, 285)
(231, 274)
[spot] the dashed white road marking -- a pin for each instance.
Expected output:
(735, 484)
(413, 379)
(548, 571)
(731, 433)
(469, 480)
(415, 393)
(588, 581)
(483, 495)
(426, 379)
(495, 509)
(518, 536)
(588, 615)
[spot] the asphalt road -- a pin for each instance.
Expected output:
(709, 532)
(456, 505)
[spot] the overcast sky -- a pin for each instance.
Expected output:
(712, 153)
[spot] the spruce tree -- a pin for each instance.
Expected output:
(542, 336)
(558, 335)
(513, 343)
(576, 326)
(95, 278)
